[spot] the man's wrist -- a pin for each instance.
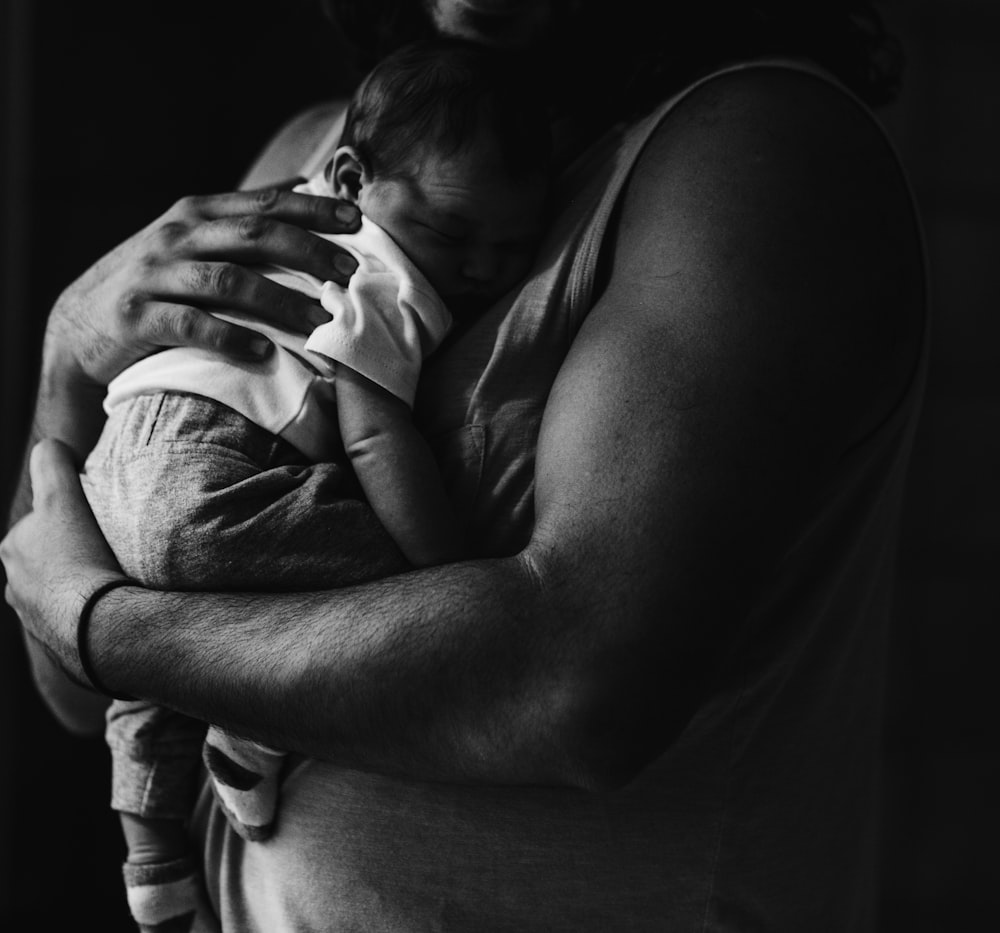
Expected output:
(69, 402)
(61, 372)
(83, 626)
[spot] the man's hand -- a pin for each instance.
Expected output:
(152, 291)
(55, 557)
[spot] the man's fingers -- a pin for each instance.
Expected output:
(257, 239)
(327, 215)
(57, 495)
(60, 507)
(229, 286)
(175, 325)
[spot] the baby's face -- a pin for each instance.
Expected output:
(470, 229)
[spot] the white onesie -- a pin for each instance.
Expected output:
(383, 324)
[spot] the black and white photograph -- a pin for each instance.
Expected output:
(499, 466)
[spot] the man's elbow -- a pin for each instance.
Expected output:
(79, 723)
(79, 711)
(604, 767)
(604, 747)
(603, 776)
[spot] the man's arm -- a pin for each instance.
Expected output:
(148, 293)
(70, 390)
(761, 315)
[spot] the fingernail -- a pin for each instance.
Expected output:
(260, 346)
(345, 264)
(347, 213)
(318, 316)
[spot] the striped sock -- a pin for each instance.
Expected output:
(163, 896)
(245, 777)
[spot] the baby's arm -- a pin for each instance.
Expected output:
(396, 470)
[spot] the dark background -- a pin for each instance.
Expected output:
(163, 100)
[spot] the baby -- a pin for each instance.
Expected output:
(213, 474)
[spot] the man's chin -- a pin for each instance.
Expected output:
(503, 23)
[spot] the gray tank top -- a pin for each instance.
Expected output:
(762, 815)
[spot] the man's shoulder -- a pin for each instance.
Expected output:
(769, 204)
(288, 151)
(772, 155)
(775, 116)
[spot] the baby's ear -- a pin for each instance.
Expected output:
(344, 173)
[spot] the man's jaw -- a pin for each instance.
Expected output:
(503, 23)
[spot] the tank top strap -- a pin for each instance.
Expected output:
(628, 144)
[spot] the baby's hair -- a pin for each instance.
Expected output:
(442, 93)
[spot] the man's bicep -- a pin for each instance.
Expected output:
(664, 480)
(736, 352)
(665, 492)
(761, 316)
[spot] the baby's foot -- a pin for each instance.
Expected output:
(245, 778)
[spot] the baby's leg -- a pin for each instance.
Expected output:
(164, 890)
(200, 498)
(192, 496)
(245, 777)
(155, 772)
(214, 502)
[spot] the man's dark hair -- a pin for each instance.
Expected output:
(443, 93)
(621, 58)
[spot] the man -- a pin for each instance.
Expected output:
(652, 701)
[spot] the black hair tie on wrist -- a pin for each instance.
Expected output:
(82, 629)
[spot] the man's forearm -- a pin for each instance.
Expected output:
(435, 675)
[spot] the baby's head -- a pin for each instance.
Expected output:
(446, 148)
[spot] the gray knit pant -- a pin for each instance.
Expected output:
(193, 496)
